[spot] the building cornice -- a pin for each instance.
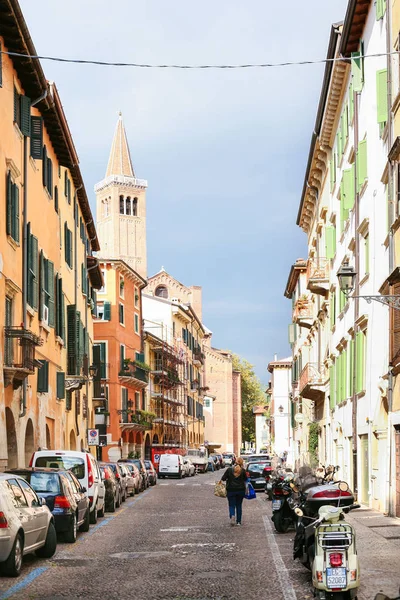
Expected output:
(118, 180)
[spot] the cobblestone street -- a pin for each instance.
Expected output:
(174, 542)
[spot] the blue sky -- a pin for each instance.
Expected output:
(224, 152)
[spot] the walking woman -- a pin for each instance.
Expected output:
(236, 483)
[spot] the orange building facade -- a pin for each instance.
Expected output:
(48, 275)
(122, 375)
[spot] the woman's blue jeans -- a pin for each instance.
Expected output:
(235, 500)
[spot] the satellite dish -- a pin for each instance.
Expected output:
(299, 418)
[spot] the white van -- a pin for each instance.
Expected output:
(171, 465)
(84, 466)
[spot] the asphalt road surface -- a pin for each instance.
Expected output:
(172, 542)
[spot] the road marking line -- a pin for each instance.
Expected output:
(204, 544)
(287, 588)
(24, 583)
(196, 484)
(181, 484)
(176, 529)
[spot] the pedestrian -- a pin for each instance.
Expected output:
(236, 484)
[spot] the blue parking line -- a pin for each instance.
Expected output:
(103, 522)
(24, 583)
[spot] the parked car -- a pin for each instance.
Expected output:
(135, 475)
(171, 465)
(255, 472)
(85, 468)
(142, 470)
(229, 458)
(130, 485)
(120, 477)
(64, 496)
(111, 487)
(190, 469)
(151, 472)
(26, 524)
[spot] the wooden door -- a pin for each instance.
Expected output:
(397, 439)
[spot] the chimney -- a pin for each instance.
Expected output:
(275, 357)
(196, 300)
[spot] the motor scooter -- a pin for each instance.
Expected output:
(283, 515)
(329, 550)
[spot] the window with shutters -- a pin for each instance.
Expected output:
(68, 245)
(47, 291)
(22, 112)
(12, 209)
(101, 356)
(121, 357)
(43, 377)
(332, 307)
(36, 138)
(56, 207)
(121, 287)
(136, 323)
(121, 314)
(60, 381)
(124, 405)
(360, 361)
(33, 270)
(395, 329)
(76, 341)
(380, 9)
(137, 298)
(60, 309)
(362, 174)
(85, 282)
(330, 242)
(381, 97)
(357, 68)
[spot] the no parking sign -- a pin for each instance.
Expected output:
(93, 437)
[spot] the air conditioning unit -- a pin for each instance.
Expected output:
(45, 315)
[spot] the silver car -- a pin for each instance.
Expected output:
(26, 524)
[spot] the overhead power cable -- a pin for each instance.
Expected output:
(173, 66)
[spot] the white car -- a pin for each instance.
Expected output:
(84, 466)
(190, 469)
(228, 458)
(26, 524)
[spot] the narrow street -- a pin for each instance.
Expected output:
(175, 542)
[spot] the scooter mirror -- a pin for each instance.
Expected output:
(343, 487)
(300, 513)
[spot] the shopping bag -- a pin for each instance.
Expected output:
(220, 489)
(250, 493)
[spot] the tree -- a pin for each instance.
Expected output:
(252, 395)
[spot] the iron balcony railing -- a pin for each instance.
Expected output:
(313, 374)
(131, 370)
(19, 348)
(303, 309)
(317, 269)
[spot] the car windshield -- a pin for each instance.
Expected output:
(44, 482)
(74, 463)
(258, 466)
(148, 464)
(137, 463)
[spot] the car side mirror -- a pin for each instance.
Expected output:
(84, 490)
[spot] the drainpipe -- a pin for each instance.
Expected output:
(76, 274)
(25, 247)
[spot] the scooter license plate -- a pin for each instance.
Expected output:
(260, 481)
(336, 578)
(276, 504)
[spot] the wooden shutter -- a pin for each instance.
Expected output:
(66, 243)
(351, 103)
(65, 183)
(357, 70)
(81, 341)
(94, 302)
(50, 291)
(332, 306)
(49, 183)
(107, 311)
(44, 166)
(332, 386)
(9, 185)
(42, 285)
(69, 190)
(17, 107)
(291, 334)
(381, 96)
(351, 368)
(121, 357)
(60, 385)
(72, 342)
(97, 377)
(25, 123)
(395, 329)
(330, 242)
(360, 361)
(56, 199)
(380, 9)
(362, 163)
(344, 212)
(15, 213)
(348, 188)
(103, 359)
(34, 266)
(344, 376)
(43, 377)
(37, 137)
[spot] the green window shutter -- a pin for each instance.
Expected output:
(136, 324)
(81, 341)
(357, 69)
(344, 212)
(50, 290)
(330, 242)
(83, 279)
(360, 361)
(342, 301)
(103, 359)
(94, 302)
(337, 380)
(49, 183)
(56, 199)
(42, 284)
(351, 367)
(37, 137)
(380, 9)
(348, 188)
(25, 124)
(33, 264)
(362, 163)
(60, 385)
(70, 247)
(332, 308)
(332, 400)
(345, 126)
(15, 212)
(43, 377)
(9, 186)
(381, 95)
(351, 103)
(60, 313)
(345, 375)
(44, 166)
(69, 190)
(107, 311)
(17, 109)
(73, 338)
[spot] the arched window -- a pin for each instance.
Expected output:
(134, 207)
(121, 205)
(161, 291)
(128, 205)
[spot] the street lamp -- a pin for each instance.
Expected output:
(93, 370)
(347, 276)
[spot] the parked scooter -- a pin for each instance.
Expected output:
(283, 515)
(327, 545)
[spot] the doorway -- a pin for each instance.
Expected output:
(364, 465)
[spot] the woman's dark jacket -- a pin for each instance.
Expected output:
(235, 484)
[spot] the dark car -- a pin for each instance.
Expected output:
(151, 472)
(256, 473)
(111, 485)
(120, 477)
(142, 470)
(64, 496)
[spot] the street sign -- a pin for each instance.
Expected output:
(93, 437)
(299, 418)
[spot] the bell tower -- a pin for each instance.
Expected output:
(121, 207)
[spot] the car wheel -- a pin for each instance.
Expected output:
(86, 523)
(70, 535)
(12, 566)
(100, 513)
(93, 515)
(50, 545)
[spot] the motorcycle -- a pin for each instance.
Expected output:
(283, 515)
(327, 545)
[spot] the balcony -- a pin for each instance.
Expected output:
(318, 275)
(19, 354)
(303, 312)
(198, 358)
(135, 420)
(313, 379)
(133, 375)
(166, 378)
